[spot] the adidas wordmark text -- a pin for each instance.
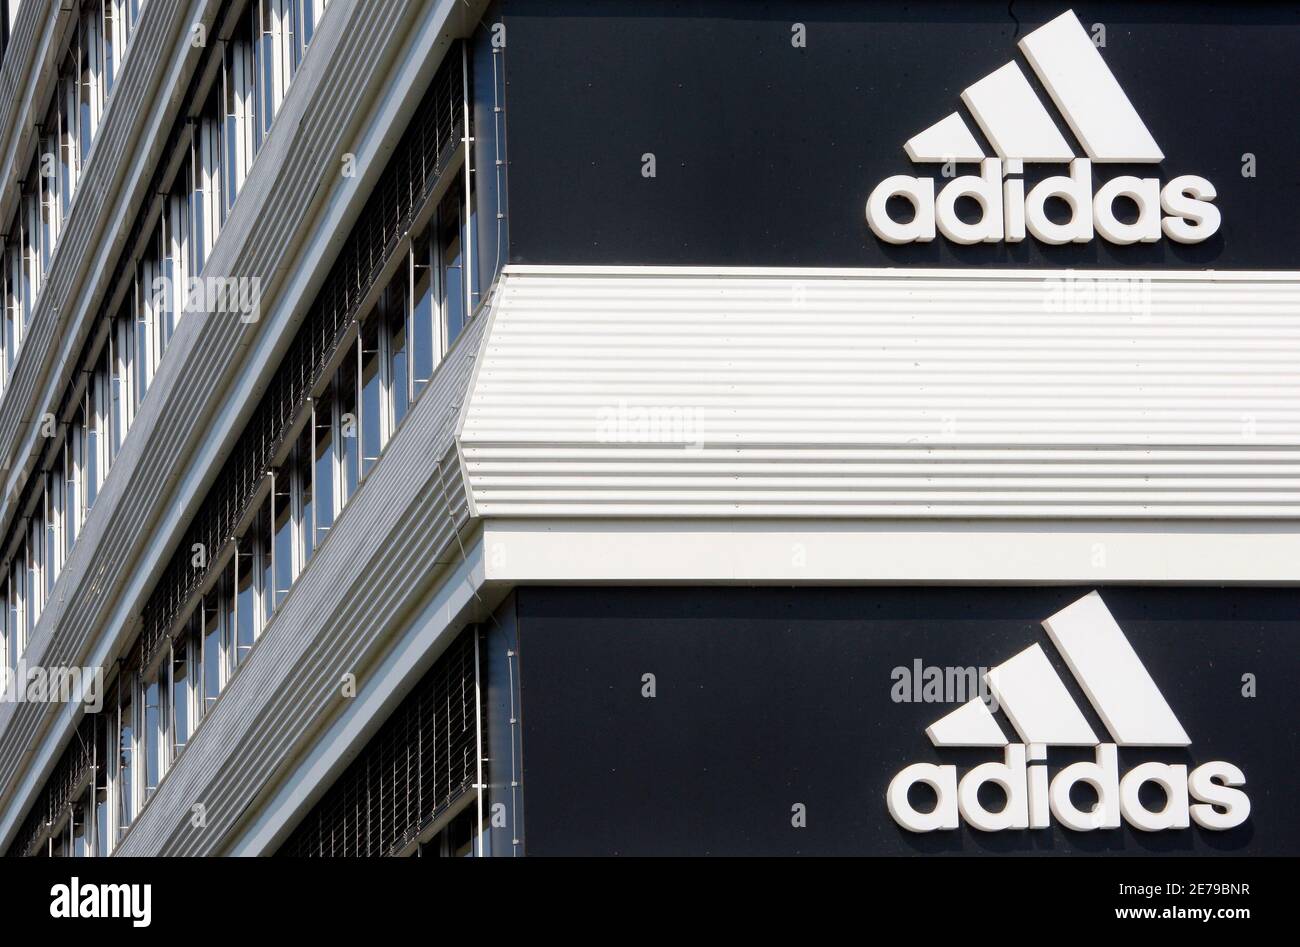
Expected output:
(1017, 124)
(1039, 706)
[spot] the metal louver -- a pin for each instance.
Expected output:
(412, 771)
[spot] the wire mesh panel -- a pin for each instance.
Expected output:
(419, 764)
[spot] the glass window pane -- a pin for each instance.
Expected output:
(371, 396)
(245, 598)
(33, 561)
(102, 841)
(323, 426)
(16, 632)
(150, 745)
(53, 514)
(90, 456)
(85, 121)
(125, 780)
(71, 460)
(116, 386)
(453, 284)
(423, 355)
(304, 460)
(211, 629)
(282, 543)
(180, 702)
(229, 620)
(7, 657)
(266, 556)
(110, 56)
(349, 448)
(398, 375)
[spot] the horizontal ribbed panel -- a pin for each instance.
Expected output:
(111, 183)
(389, 547)
(814, 394)
(27, 59)
(121, 538)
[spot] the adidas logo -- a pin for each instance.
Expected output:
(1016, 123)
(1042, 712)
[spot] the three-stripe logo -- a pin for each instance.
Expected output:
(1018, 126)
(1042, 712)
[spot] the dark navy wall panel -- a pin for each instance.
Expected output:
(769, 697)
(766, 153)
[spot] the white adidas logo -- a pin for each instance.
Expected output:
(1042, 712)
(1016, 123)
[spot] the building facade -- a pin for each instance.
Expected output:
(445, 428)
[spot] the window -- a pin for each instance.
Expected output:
(282, 525)
(454, 841)
(238, 118)
(31, 236)
(245, 597)
(47, 158)
(425, 343)
(79, 844)
(18, 282)
(180, 697)
(229, 633)
(101, 813)
(17, 601)
(87, 115)
(304, 463)
(120, 347)
(399, 380)
(274, 55)
(175, 256)
(205, 172)
(72, 447)
(345, 387)
(264, 542)
(143, 303)
(69, 158)
(372, 432)
(163, 285)
(213, 645)
(35, 586)
(323, 451)
(53, 541)
(13, 301)
(101, 382)
(151, 719)
(90, 451)
(452, 268)
(124, 777)
(110, 41)
(306, 14)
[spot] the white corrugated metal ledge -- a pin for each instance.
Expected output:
(814, 393)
